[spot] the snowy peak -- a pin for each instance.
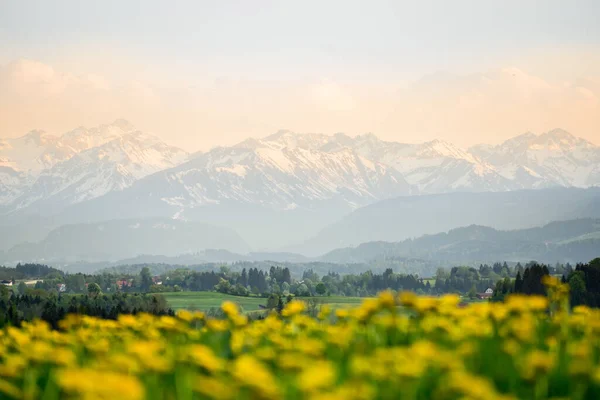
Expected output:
(37, 150)
(33, 152)
(288, 139)
(81, 164)
(145, 153)
(440, 148)
(556, 140)
(38, 138)
(560, 140)
(284, 171)
(554, 158)
(82, 138)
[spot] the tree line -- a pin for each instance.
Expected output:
(583, 281)
(39, 304)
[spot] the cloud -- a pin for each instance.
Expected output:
(493, 105)
(469, 108)
(330, 96)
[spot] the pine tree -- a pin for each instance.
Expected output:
(518, 283)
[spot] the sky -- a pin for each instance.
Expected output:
(201, 73)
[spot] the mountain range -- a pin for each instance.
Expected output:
(276, 191)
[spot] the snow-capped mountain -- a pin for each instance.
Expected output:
(288, 170)
(81, 164)
(37, 151)
(283, 171)
(112, 166)
(555, 158)
(22, 159)
(34, 152)
(432, 167)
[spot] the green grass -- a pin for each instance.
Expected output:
(203, 301)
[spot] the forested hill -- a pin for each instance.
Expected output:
(28, 271)
(564, 241)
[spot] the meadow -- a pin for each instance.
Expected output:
(529, 347)
(203, 301)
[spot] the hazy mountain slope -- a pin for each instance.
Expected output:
(549, 243)
(112, 240)
(406, 217)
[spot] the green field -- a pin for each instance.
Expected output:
(203, 301)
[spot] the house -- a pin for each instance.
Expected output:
(485, 295)
(121, 283)
(61, 287)
(156, 280)
(6, 283)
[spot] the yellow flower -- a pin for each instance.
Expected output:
(324, 312)
(10, 390)
(185, 315)
(252, 373)
(217, 325)
(317, 376)
(294, 307)
(408, 299)
(230, 308)
(387, 300)
(449, 301)
(237, 341)
(20, 338)
(89, 383)
(537, 363)
(537, 303)
(13, 366)
(205, 357)
(213, 388)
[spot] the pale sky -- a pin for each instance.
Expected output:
(200, 73)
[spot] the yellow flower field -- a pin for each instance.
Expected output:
(526, 348)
